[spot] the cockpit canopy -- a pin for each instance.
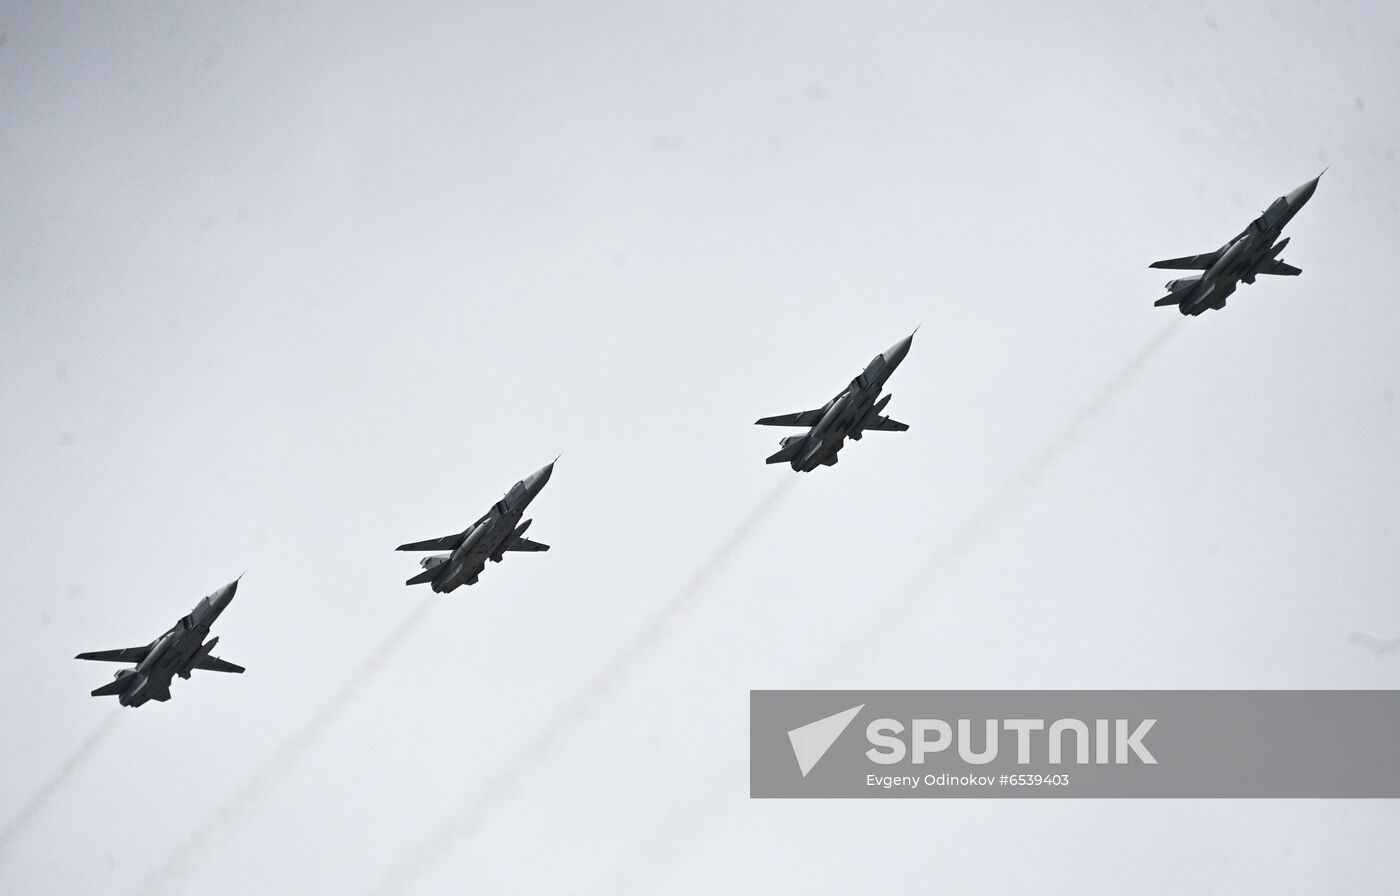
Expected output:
(1273, 216)
(513, 499)
(871, 372)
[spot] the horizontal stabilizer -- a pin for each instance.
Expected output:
(1173, 299)
(885, 424)
(786, 453)
(214, 664)
(1189, 262)
(803, 418)
(525, 544)
(113, 688)
(445, 543)
(124, 655)
(1280, 269)
(425, 576)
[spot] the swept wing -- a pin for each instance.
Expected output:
(1189, 262)
(802, 418)
(124, 655)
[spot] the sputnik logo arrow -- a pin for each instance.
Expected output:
(811, 741)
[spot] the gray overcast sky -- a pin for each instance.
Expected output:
(285, 285)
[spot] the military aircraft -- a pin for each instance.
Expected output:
(177, 652)
(486, 539)
(1248, 255)
(851, 413)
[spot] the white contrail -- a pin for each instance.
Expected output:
(988, 516)
(41, 797)
(227, 816)
(724, 788)
(1371, 642)
(716, 800)
(478, 803)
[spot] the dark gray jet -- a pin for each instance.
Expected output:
(1245, 257)
(177, 652)
(851, 413)
(486, 539)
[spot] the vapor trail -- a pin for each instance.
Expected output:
(1360, 639)
(1008, 498)
(725, 779)
(234, 810)
(723, 788)
(477, 804)
(42, 796)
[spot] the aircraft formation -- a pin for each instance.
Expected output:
(854, 411)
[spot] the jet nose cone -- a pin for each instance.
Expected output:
(224, 595)
(895, 353)
(536, 480)
(1304, 193)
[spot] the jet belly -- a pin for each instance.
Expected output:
(1230, 261)
(869, 416)
(182, 647)
(815, 453)
(469, 560)
(459, 573)
(1208, 294)
(461, 570)
(1218, 281)
(831, 421)
(842, 419)
(153, 659)
(152, 676)
(202, 651)
(1235, 265)
(136, 692)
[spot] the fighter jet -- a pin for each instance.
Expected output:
(177, 652)
(850, 413)
(1248, 255)
(486, 539)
